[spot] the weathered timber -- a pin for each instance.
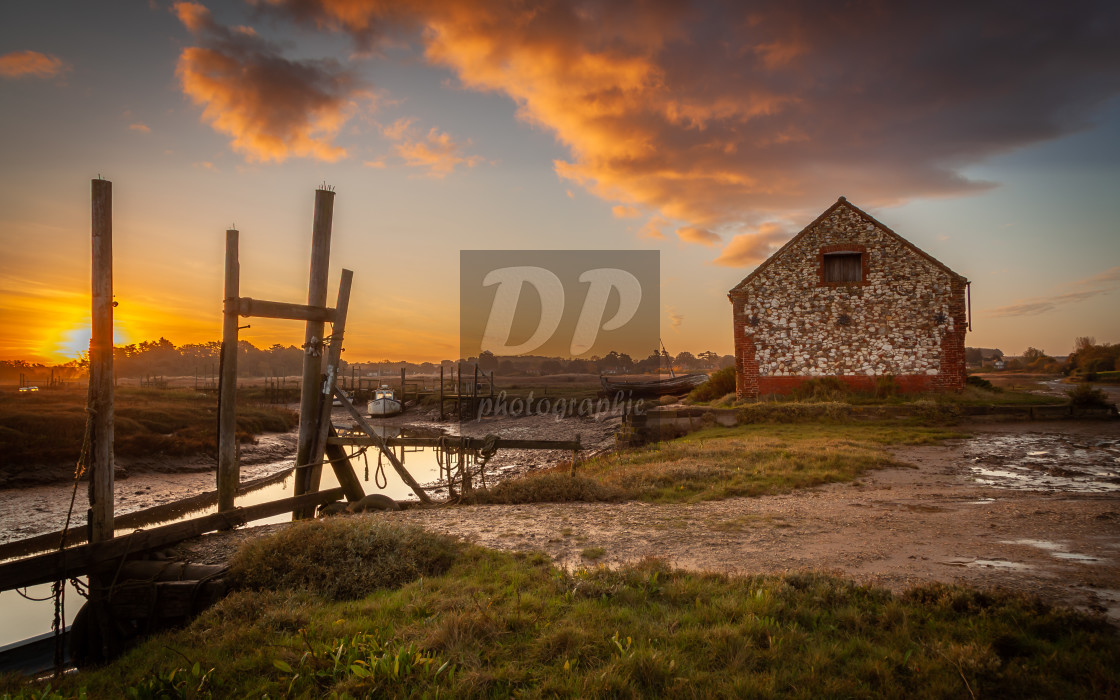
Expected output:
(228, 467)
(165, 599)
(101, 365)
(313, 337)
(323, 423)
(247, 306)
(471, 443)
(75, 561)
(343, 469)
(380, 442)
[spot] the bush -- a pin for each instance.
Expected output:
(720, 383)
(1085, 396)
(981, 383)
(341, 558)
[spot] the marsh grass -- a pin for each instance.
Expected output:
(340, 558)
(48, 426)
(715, 463)
(500, 625)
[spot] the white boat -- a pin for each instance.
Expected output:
(383, 403)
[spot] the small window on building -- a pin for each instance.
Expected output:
(843, 267)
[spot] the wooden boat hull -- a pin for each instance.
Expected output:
(656, 387)
(382, 408)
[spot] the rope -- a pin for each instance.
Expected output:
(58, 588)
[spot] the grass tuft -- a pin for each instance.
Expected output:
(341, 558)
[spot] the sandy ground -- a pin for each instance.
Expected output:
(953, 516)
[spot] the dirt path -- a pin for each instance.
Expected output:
(895, 527)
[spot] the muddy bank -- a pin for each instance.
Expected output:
(932, 521)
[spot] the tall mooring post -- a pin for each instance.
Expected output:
(101, 367)
(307, 475)
(229, 476)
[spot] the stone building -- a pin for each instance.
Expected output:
(849, 298)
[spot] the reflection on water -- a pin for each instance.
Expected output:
(21, 618)
(1045, 462)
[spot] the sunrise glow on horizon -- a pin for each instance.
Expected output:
(710, 132)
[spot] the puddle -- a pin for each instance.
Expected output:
(989, 564)
(981, 501)
(1045, 462)
(1058, 551)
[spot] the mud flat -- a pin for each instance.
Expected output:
(939, 520)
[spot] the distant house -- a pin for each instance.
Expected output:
(848, 297)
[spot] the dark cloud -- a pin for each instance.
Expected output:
(723, 116)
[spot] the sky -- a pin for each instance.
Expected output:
(987, 134)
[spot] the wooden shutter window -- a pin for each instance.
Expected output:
(843, 267)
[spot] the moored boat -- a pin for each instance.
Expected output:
(383, 403)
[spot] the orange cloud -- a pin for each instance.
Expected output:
(30, 64)
(625, 212)
(652, 228)
(436, 150)
(272, 107)
(142, 128)
(695, 234)
(723, 116)
(752, 248)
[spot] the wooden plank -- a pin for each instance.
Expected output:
(101, 365)
(473, 443)
(313, 337)
(228, 468)
(247, 306)
(75, 561)
(380, 442)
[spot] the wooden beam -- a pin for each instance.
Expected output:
(75, 561)
(343, 469)
(472, 443)
(247, 306)
(313, 337)
(228, 468)
(101, 366)
(380, 442)
(347, 478)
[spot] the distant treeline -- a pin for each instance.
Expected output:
(163, 358)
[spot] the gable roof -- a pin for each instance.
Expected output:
(843, 202)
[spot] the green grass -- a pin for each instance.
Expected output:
(715, 463)
(500, 625)
(48, 426)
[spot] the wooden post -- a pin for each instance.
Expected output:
(474, 393)
(313, 336)
(575, 456)
(343, 469)
(101, 366)
(441, 391)
(229, 476)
